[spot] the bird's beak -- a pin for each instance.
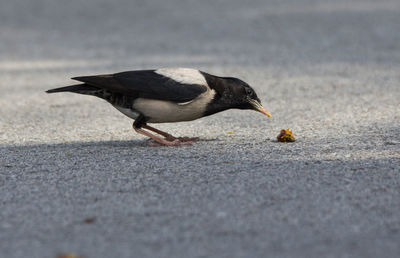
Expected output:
(257, 106)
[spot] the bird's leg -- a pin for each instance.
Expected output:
(168, 136)
(165, 134)
(160, 140)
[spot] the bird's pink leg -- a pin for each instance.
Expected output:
(161, 141)
(165, 134)
(170, 137)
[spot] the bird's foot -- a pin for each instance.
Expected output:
(188, 139)
(175, 142)
(169, 140)
(181, 139)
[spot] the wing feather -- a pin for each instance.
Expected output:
(149, 84)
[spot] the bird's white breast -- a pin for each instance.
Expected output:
(161, 111)
(183, 75)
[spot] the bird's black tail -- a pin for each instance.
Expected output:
(79, 88)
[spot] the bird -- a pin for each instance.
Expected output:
(167, 95)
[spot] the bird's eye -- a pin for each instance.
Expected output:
(248, 91)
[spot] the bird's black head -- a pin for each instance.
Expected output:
(239, 94)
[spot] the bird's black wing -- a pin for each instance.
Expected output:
(145, 84)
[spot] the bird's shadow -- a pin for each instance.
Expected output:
(104, 143)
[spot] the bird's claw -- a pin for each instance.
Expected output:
(179, 142)
(181, 139)
(188, 139)
(176, 142)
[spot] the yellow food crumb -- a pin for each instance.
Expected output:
(69, 255)
(286, 135)
(229, 132)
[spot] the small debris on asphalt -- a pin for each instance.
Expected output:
(89, 220)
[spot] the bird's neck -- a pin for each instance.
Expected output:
(218, 104)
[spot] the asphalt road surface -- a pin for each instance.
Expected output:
(75, 178)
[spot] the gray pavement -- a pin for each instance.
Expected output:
(329, 70)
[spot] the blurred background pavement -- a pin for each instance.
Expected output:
(74, 177)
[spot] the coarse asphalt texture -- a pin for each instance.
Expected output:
(75, 178)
